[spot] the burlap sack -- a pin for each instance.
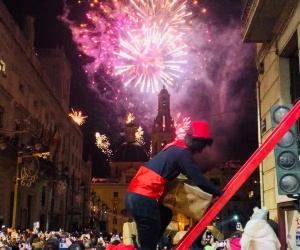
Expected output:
(186, 199)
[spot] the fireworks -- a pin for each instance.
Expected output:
(181, 127)
(139, 136)
(102, 142)
(172, 13)
(130, 118)
(77, 117)
(140, 43)
(150, 58)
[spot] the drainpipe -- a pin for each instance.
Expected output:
(261, 180)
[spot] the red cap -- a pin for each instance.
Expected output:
(200, 129)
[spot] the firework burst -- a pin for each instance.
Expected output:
(139, 43)
(77, 117)
(130, 118)
(150, 58)
(162, 12)
(181, 126)
(139, 136)
(103, 143)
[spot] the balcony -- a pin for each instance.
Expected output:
(262, 19)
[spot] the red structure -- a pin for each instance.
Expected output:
(241, 176)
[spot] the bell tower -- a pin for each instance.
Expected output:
(163, 130)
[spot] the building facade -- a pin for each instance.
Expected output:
(274, 27)
(42, 173)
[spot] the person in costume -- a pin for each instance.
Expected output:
(258, 234)
(146, 188)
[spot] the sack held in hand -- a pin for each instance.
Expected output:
(186, 199)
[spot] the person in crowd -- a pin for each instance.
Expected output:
(4, 247)
(51, 244)
(22, 246)
(37, 244)
(32, 237)
(77, 245)
(233, 242)
(146, 188)
(258, 234)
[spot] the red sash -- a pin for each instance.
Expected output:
(147, 182)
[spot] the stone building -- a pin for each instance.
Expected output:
(274, 26)
(42, 174)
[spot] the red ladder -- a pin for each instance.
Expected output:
(241, 176)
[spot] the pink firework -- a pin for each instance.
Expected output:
(140, 43)
(150, 58)
(181, 127)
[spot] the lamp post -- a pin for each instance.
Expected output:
(26, 176)
(13, 223)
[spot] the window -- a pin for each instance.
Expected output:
(116, 194)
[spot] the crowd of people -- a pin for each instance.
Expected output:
(12, 239)
(257, 233)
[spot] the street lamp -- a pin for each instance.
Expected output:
(26, 175)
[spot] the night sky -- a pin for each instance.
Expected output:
(221, 89)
